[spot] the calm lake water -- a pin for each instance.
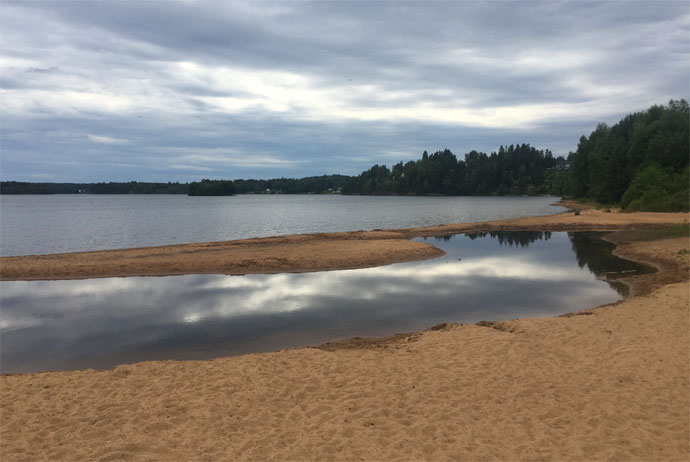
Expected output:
(69, 223)
(98, 323)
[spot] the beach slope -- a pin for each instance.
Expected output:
(605, 384)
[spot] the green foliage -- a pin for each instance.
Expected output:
(641, 162)
(317, 185)
(515, 170)
(212, 188)
(658, 189)
(558, 182)
(132, 187)
(324, 184)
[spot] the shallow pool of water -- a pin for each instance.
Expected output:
(98, 323)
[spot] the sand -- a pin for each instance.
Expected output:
(305, 252)
(295, 254)
(611, 383)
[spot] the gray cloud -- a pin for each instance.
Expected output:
(182, 90)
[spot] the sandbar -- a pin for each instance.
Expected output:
(606, 383)
(304, 252)
(610, 383)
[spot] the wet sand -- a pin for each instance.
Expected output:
(610, 383)
(304, 252)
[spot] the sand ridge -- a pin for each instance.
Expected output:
(611, 385)
(294, 254)
(305, 252)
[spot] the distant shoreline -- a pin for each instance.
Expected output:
(305, 252)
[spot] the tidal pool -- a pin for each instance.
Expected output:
(99, 323)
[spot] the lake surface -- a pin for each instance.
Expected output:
(99, 323)
(36, 224)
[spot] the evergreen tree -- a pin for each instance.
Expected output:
(642, 157)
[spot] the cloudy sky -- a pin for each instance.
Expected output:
(180, 90)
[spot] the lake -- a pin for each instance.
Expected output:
(35, 224)
(99, 323)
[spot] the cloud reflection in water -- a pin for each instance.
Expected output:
(102, 322)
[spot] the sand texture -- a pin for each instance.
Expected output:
(301, 253)
(270, 255)
(609, 384)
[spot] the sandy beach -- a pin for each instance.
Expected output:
(304, 252)
(607, 383)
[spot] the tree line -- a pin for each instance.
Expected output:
(515, 170)
(207, 187)
(640, 163)
(324, 184)
(131, 187)
(309, 185)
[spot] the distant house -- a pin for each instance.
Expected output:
(562, 164)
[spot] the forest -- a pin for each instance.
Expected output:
(515, 170)
(640, 163)
(326, 184)
(309, 185)
(131, 187)
(207, 187)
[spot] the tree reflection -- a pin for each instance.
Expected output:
(513, 238)
(597, 255)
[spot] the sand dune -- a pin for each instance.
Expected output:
(613, 384)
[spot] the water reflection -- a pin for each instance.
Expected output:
(522, 238)
(102, 322)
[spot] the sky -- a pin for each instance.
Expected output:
(182, 90)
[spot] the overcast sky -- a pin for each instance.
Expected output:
(182, 90)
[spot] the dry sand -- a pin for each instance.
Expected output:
(300, 253)
(613, 384)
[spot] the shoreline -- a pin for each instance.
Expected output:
(668, 271)
(306, 252)
(605, 383)
(638, 285)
